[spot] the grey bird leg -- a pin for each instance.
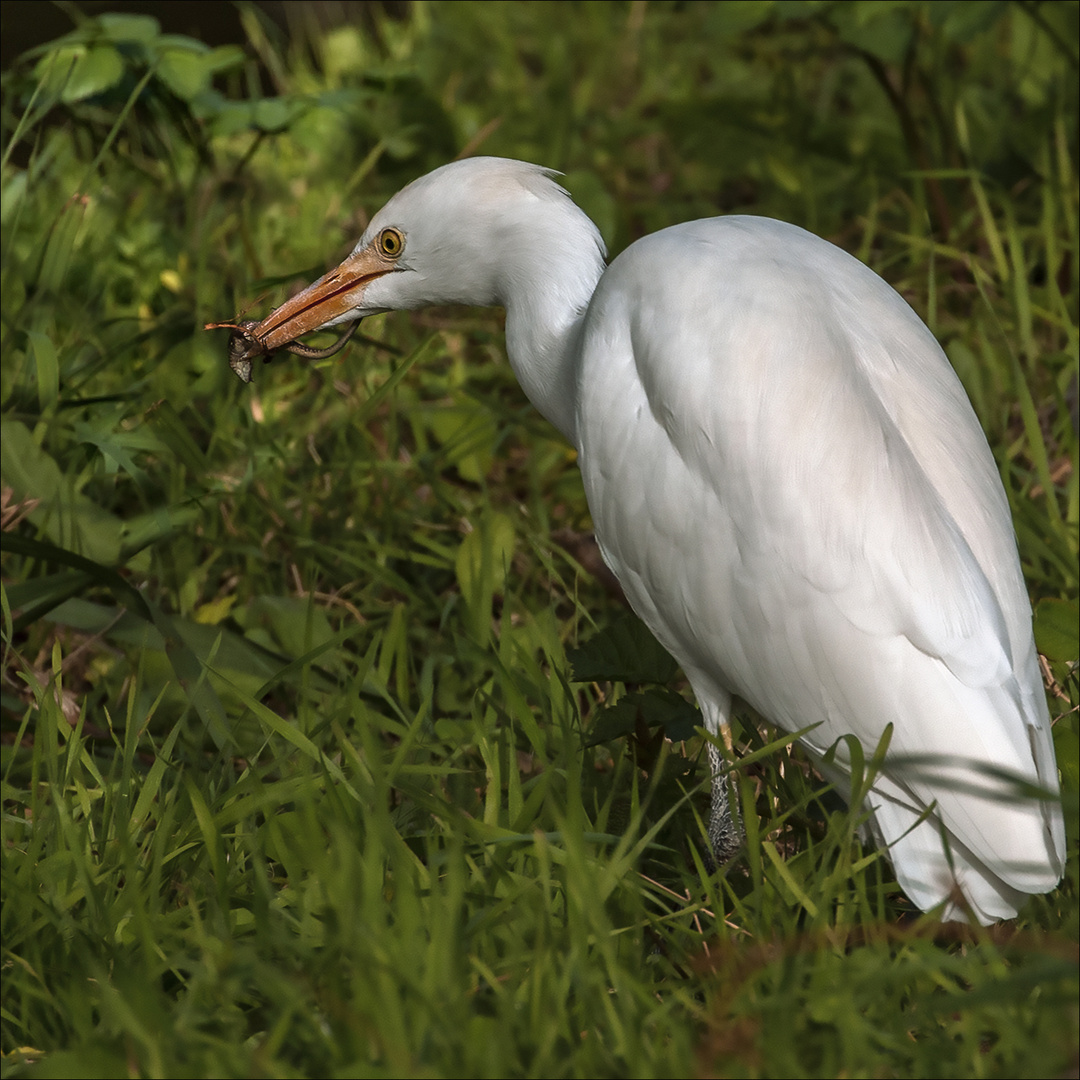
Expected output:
(725, 837)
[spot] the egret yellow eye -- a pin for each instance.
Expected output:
(391, 243)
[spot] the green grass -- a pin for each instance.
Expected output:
(297, 778)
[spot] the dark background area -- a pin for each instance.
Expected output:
(25, 24)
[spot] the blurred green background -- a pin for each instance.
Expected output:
(328, 749)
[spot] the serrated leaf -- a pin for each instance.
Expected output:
(613, 723)
(653, 708)
(624, 652)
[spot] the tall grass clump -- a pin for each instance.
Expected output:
(327, 747)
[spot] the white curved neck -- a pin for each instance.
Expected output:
(550, 263)
(543, 336)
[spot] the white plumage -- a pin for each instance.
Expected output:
(786, 477)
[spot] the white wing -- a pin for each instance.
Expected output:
(791, 485)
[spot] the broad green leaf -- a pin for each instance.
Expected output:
(184, 72)
(77, 72)
(181, 43)
(962, 20)
(1067, 752)
(883, 30)
(291, 625)
(467, 434)
(1057, 629)
(225, 58)
(215, 611)
(124, 27)
(276, 114)
(735, 17)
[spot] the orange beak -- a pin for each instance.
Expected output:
(333, 295)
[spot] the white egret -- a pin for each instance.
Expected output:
(788, 480)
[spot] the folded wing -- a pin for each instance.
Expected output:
(797, 497)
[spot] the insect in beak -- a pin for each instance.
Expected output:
(246, 346)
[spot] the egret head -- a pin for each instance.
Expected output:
(473, 232)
